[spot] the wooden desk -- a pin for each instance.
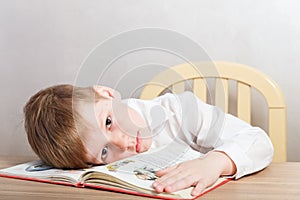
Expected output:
(278, 181)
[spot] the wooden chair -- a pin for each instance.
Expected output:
(175, 79)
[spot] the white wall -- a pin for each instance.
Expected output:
(45, 42)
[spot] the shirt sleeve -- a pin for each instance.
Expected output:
(210, 129)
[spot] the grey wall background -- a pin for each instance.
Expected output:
(44, 43)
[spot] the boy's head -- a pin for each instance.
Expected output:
(69, 127)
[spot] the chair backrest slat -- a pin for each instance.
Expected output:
(244, 102)
(221, 93)
(199, 89)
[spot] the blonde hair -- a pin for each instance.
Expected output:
(51, 125)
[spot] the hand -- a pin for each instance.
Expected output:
(200, 173)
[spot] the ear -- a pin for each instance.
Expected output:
(106, 92)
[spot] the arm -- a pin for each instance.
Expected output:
(235, 147)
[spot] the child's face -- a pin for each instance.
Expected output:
(117, 132)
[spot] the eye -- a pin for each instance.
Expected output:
(108, 122)
(104, 153)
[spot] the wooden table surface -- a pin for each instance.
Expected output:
(278, 181)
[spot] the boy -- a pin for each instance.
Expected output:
(71, 127)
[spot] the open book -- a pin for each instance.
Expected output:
(133, 175)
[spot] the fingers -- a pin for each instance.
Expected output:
(173, 179)
(165, 171)
(195, 173)
(173, 184)
(198, 189)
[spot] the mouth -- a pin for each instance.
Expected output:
(138, 142)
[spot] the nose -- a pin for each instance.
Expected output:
(121, 141)
(118, 140)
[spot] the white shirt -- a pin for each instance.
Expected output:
(205, 128)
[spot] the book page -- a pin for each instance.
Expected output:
(170, 155)
(36, 169)
(140, 170)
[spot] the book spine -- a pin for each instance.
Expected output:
(80, 184)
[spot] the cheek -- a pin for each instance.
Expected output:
(115, 155)
(136, 119)
(128, 120)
